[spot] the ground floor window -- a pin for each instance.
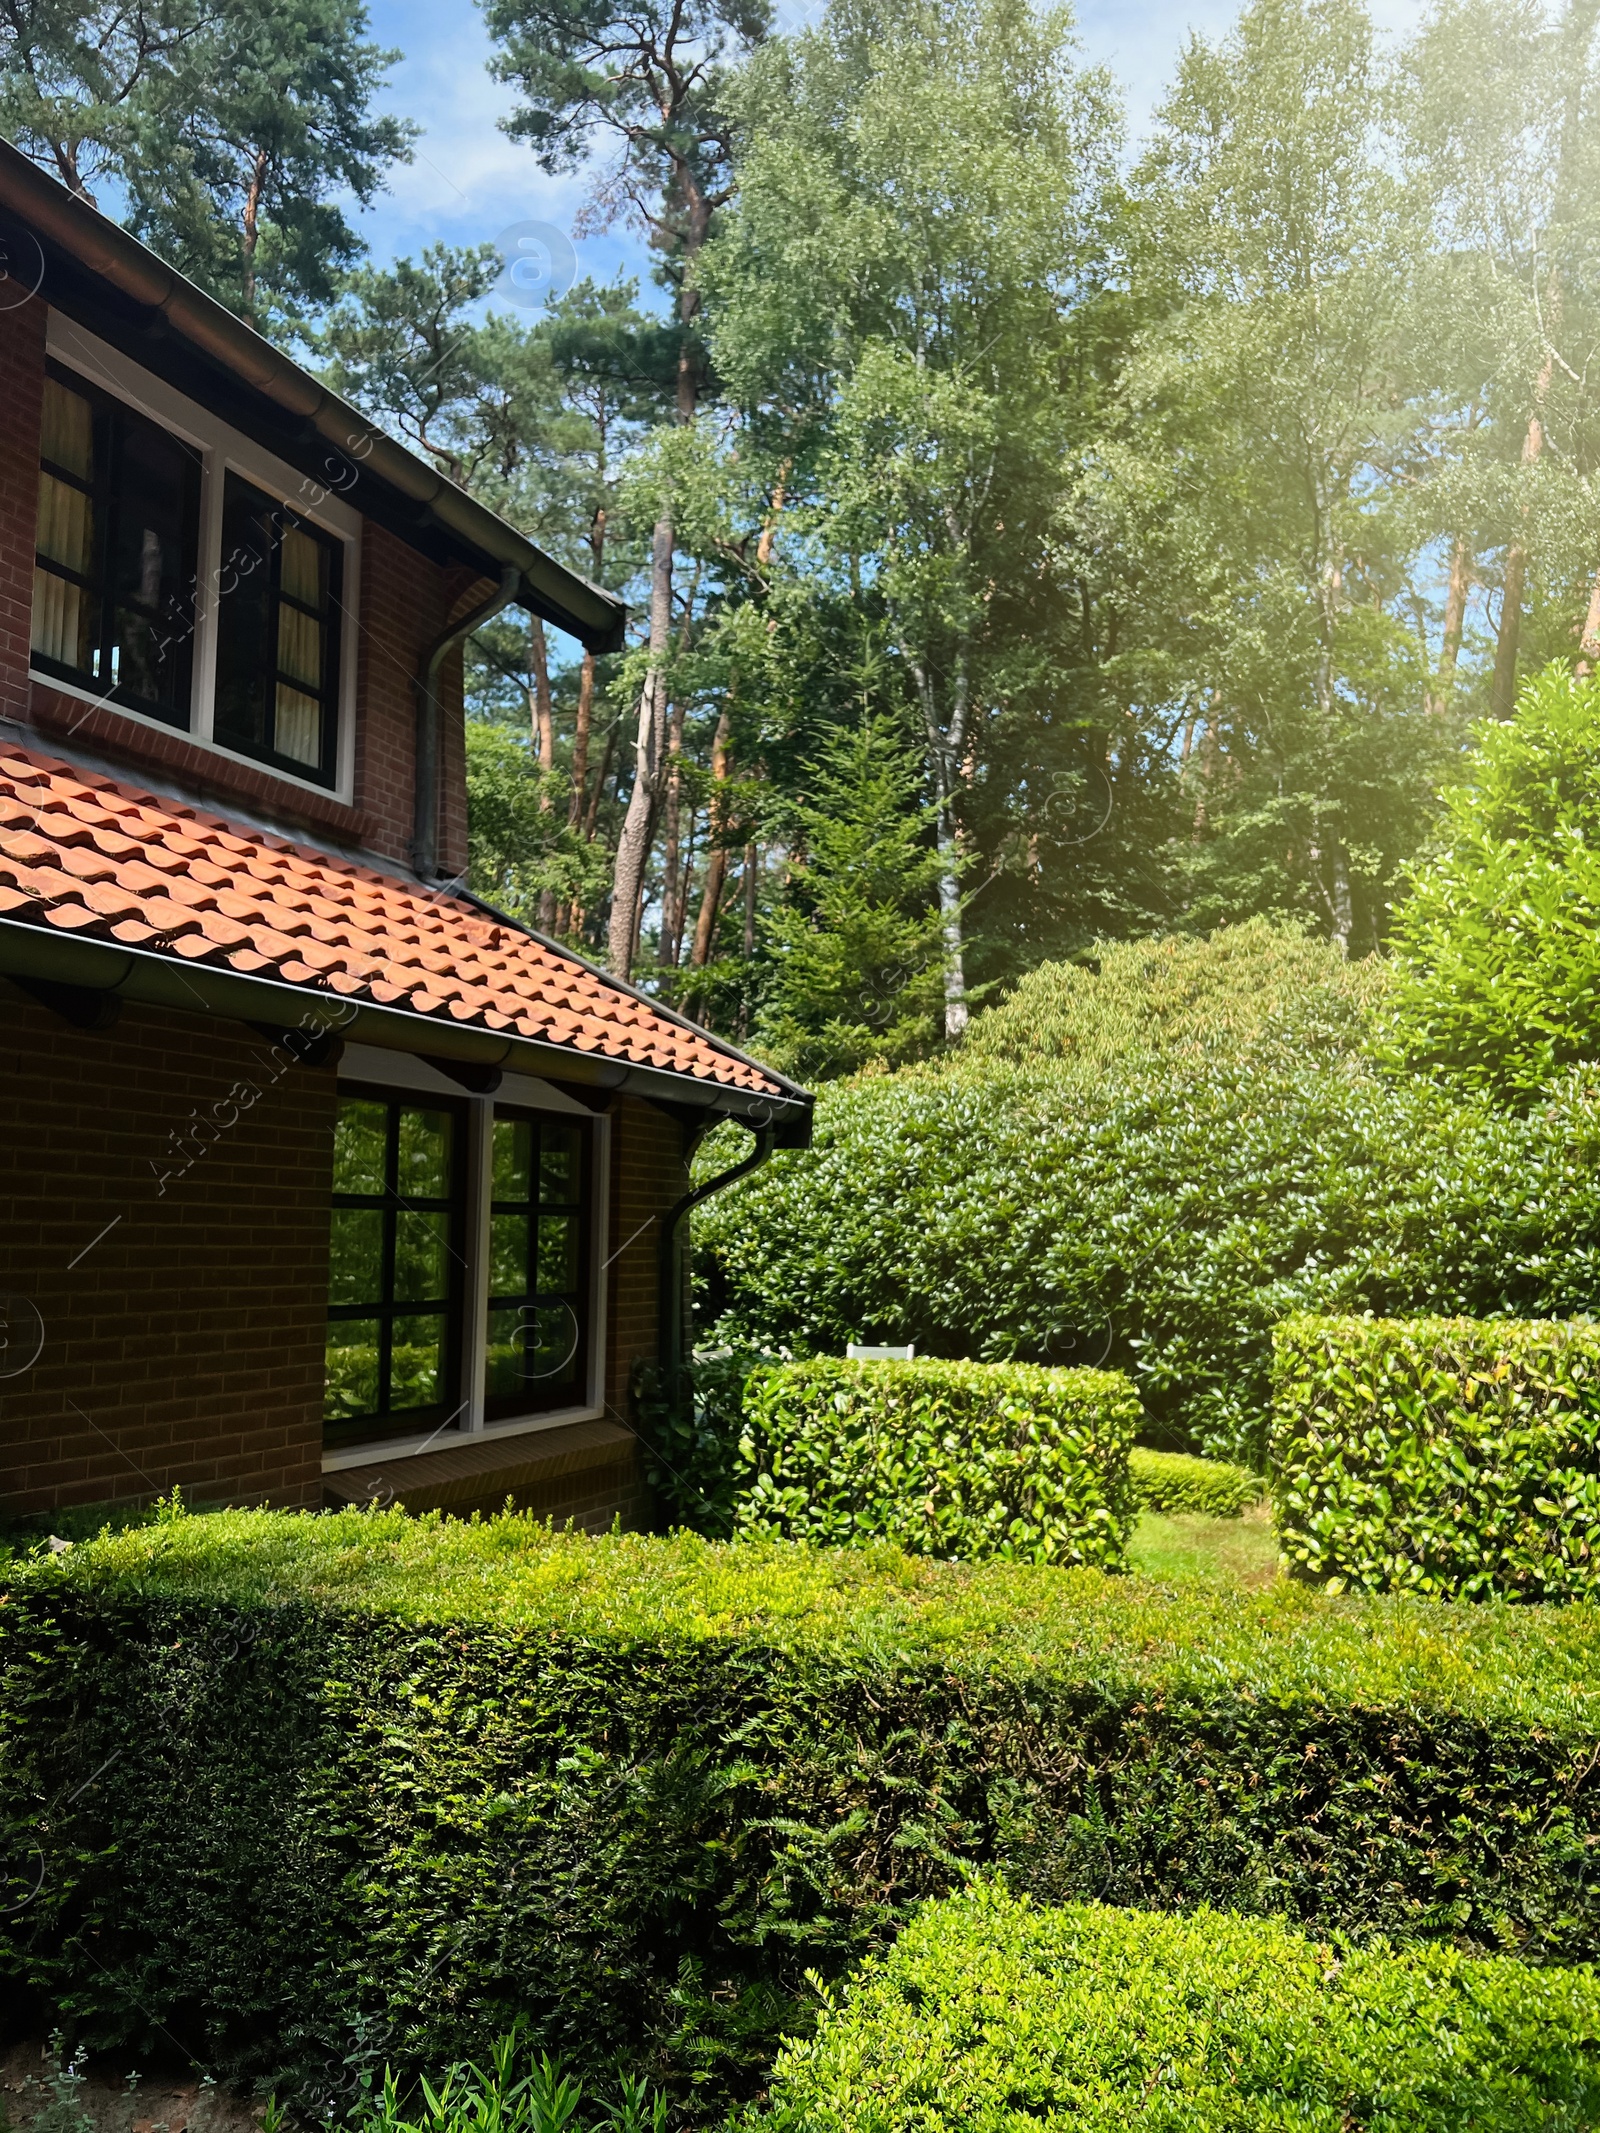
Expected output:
(461, 1278)
(395, 1265)
(537, 1343)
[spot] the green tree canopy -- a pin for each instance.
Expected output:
(1498, 940)
(228, 126)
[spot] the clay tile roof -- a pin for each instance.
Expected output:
(86, 855)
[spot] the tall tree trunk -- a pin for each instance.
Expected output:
(751, 873)
(705, 925)
(1503, 688)
(252, 223)
(671, 886)
(945, 753)
(633, 847)
(1589, 640)
(591, 814)
(544, 742)
(542, 718)
(580, 742)
(638, 828)
(1455, 623)
(1508, 641)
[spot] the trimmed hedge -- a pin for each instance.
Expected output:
(312, 1791)
(961, 1460)
(1450, 1457)
(992, 2016)
(1172, 1481)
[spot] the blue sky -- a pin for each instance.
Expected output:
(469, 183)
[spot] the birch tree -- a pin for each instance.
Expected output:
(920, 190)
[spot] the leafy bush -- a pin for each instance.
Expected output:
(1172, 1481)
(1130, 1005)
(1498, 939)
(962, 1460)
(1162, 1227)
(362, 1789)
(1440, 1456)
(992, 2016)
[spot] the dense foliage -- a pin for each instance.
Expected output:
(1439, 1456)
(1161, 1225)
(990, 2015)
(1173, 1481)
(1125, 1006)
(960, 1460)
(318, 1793)
(1499, 935)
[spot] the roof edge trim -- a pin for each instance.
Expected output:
(595, 617)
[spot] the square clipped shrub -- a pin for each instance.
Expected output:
(961, 1460)
(1173, 1481)
(318, 1792)
(990, 2015)
(1448, 1456)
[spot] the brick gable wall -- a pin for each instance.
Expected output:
(405, 601)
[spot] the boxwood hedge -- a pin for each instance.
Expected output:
(1172, 1481)
(962, 1460)
(1440, 1455)
(302, 1791)
(993, 2016)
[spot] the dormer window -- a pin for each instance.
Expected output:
(277, 635)
(114, 571)
(185, 575)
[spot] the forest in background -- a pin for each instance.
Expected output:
(1034, 538)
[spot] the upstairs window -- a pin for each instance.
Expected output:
(117, 543)
(277, 635)
(538, 1259)
(394, 1313)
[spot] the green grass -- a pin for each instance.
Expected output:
(1187, 1547)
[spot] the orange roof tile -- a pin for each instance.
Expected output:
(85, 854)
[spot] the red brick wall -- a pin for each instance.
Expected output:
(185, 1345)
(648, 1174)
(405, 600)
(21, 394)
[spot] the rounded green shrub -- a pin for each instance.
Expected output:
(1181, 996)
(1173, 1481)
(991, 2015)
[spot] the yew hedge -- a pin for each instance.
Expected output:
(302, 1792)
(1173, 1481)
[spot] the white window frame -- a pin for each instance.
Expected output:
(222, 450)
(406, 1075)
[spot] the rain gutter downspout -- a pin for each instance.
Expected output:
(425, 811)
(671, 1303)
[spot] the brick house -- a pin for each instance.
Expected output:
(321, 1181)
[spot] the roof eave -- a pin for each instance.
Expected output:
(98, 248)
(155, 980)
